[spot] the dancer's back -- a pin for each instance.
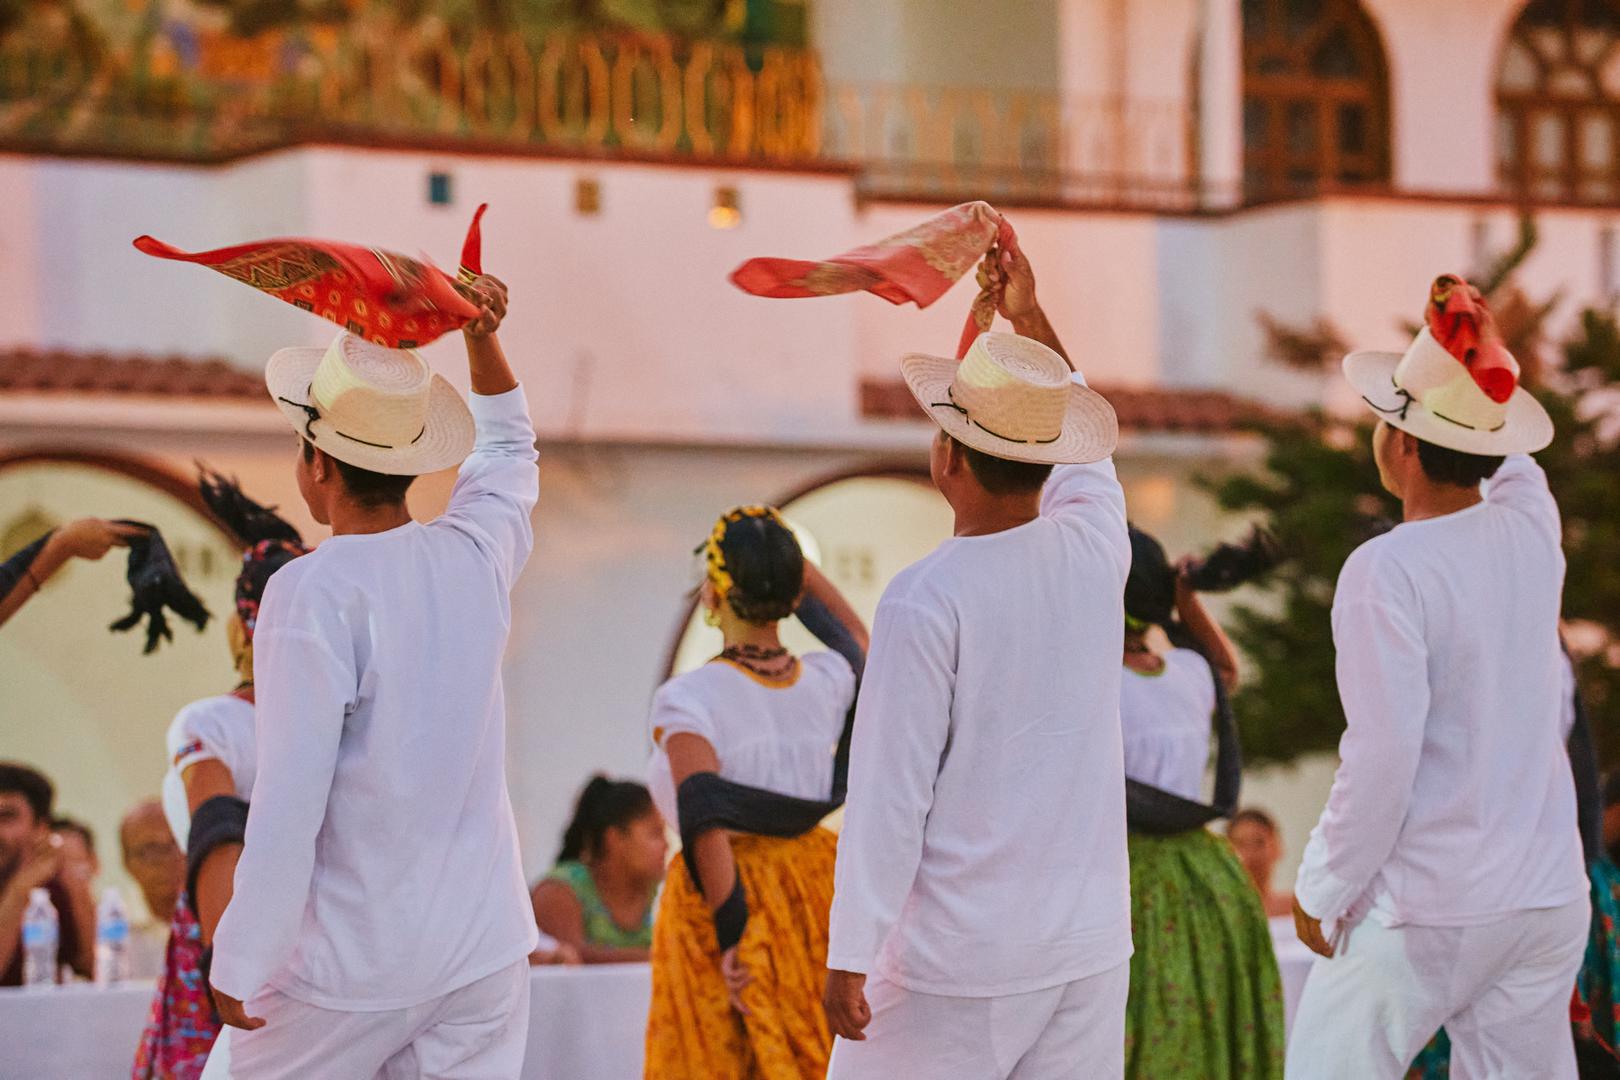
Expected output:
(379, 673)
(997, 657)
(1465, 609)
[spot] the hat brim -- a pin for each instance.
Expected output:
(447, 435)
(1526, 429)
(1090, 428)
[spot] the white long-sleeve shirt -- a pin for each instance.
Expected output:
(381, 863)
(983, 849)
(218, 729)
(1166, 719)
(1453, 804)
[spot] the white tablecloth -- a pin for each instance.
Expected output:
(584, 1024)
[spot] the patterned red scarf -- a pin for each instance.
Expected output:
(917, 265)
(382, 296)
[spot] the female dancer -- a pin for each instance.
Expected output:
(211, 761)
(1206, 998)
(598, 899)
(751, 752)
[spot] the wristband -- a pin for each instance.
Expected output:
(731, 917)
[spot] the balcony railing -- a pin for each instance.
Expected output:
(638, 96)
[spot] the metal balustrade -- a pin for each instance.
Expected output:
(642, 97)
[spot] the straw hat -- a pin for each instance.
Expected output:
(1016, 399)
(1433, 395)
(372, 407)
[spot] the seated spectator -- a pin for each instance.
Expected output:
(1258, 842)
(31, 858)
(598, 900)
(78, 848)
(158, 867)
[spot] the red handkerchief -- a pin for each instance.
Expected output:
(917, 265)
(391, 299)
(1463, 325)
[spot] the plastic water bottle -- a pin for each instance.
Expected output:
(112, 939)
(41, 931)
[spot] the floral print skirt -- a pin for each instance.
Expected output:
(693, 1033)
(1206, 999)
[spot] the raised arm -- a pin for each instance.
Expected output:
(1212, 640)
(1522, 484)
(1006, 274)
(22, 575)
(491, 374)
(827, 614)
(498, 485)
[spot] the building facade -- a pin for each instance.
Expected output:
(1175, 168)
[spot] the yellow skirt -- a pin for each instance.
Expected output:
(692, 1031)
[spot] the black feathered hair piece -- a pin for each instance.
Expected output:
(155, 582)
(250, 521)
(269, 540)
(1231, 565)
(1150, 589)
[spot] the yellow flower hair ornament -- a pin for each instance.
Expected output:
(715, 556)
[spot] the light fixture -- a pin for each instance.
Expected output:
(587, 196)
(725, 213)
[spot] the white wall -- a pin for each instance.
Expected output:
(1442, 57)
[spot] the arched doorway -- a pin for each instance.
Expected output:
(1558, 102)
(81, 704)
(1315, 98)
(861, 529)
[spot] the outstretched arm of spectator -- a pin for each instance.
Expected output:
(24, 574)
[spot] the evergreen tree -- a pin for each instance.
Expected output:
(1320, 495)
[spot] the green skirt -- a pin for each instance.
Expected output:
(1206, 999)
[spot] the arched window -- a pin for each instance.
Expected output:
(1558, 102)
(1315, 97)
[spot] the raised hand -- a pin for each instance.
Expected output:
(490, 294)
(1006, 275)
(91, 538)
(41, 864)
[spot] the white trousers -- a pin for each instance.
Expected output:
(475, 1033)
(1501, 991)
(1070, 1031)
(218, 1066)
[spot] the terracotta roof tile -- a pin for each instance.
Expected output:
(58, 371)
(1164, 409)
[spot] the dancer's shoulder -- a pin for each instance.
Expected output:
(1384, 563)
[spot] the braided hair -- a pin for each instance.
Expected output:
(604, 804)
(756, 564)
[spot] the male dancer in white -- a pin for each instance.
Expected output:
(981, 919)
(1444, 884)
(379, 923)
